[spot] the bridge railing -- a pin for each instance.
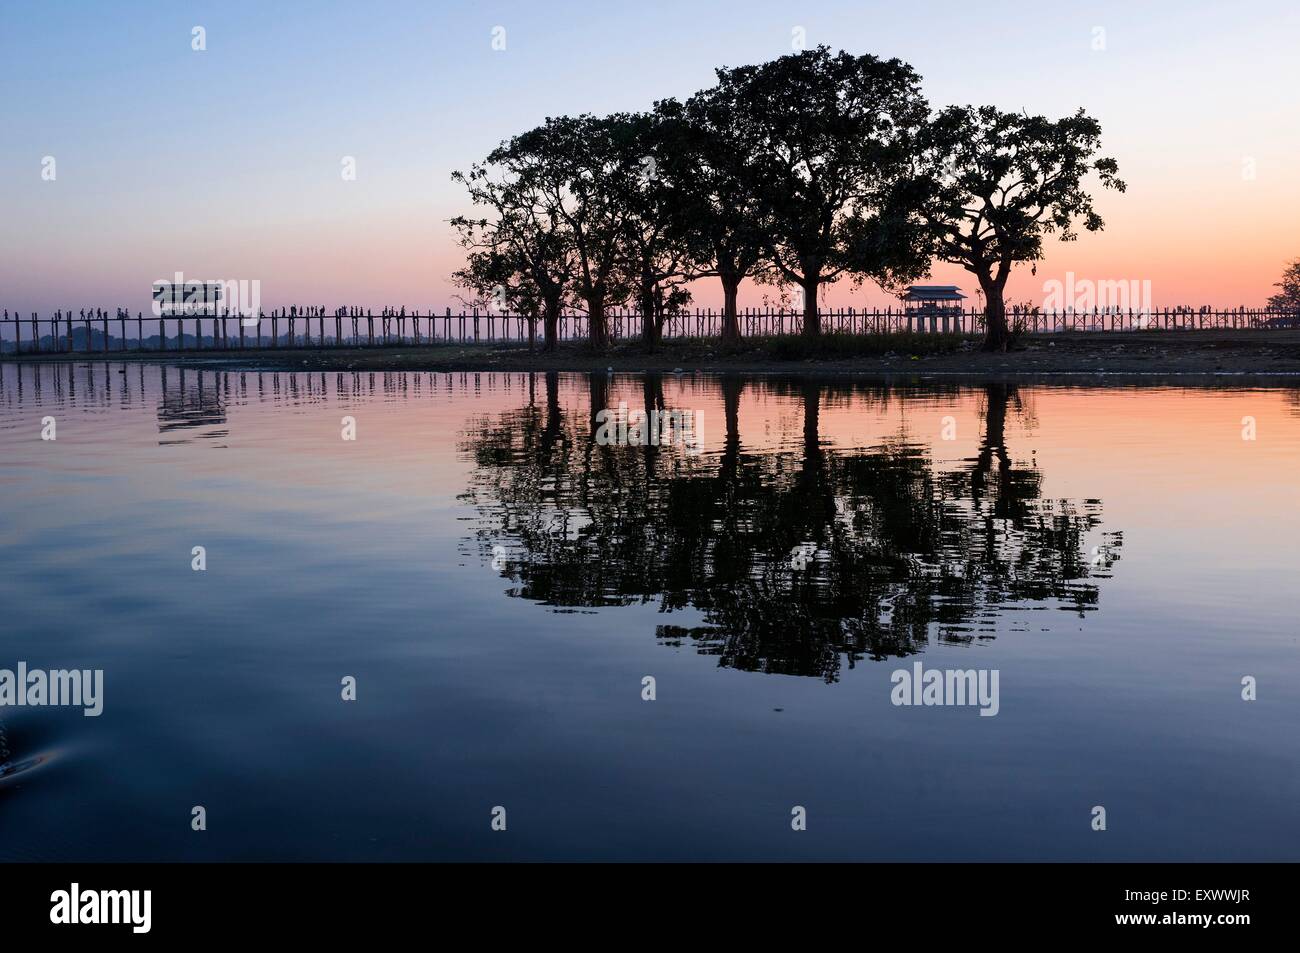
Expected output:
(97, 330)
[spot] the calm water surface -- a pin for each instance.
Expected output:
(499, 585)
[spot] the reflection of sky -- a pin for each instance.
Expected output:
(328, 558)
(1110, 444)
(226, 163)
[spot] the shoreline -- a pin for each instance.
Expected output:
(1216, 354)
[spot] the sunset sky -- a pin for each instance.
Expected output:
(226, 163)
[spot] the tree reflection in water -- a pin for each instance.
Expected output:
(797, 558)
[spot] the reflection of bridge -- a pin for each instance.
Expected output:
(98, 331)
(188, 400)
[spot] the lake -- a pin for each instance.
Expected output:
(619, 650)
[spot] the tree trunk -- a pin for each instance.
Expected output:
(551, 325)
(812, 326)
(597, 329)
(730, 313)
(647, 300)
(996, 335)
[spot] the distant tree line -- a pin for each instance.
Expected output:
(798, 172)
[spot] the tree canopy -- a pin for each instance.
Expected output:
(993, 184)
(829, 135)
(1288, 297)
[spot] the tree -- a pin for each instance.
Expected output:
(996, 183)
(656, 240)
(828, 136)
(562, 213)
(1288, 299)
(523, 257)
(708, 171)
(583, 171)
(499, 280)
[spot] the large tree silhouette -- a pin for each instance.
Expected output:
(709, 174)
(521, 257)
(1288, 296)
(829, 136)
(997, 183)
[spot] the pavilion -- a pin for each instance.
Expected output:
(934, 302)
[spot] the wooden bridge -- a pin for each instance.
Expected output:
(97, 330)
